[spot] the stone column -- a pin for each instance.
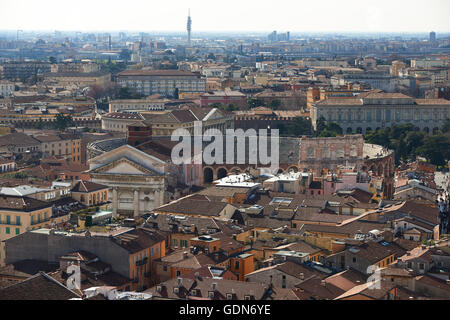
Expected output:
(136, 203)
(115, 203)
(156, 202)
(161, 197)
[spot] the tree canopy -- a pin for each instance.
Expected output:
(299, 126)
(62, 122)
(327, 129)
(408, 143)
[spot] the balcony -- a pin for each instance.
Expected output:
(4, 223)
(142, 262)
(33, 223)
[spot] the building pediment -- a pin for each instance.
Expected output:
(124, 166)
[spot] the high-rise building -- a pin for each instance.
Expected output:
(272, 37)
(189, 27)
(432, 36)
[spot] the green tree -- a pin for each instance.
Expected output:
(446, 127)
(62, 122)
(299, 126)
(275, 104)
(327, 134)
(414, 140)
(321, 125)
(436, 149)
(126, 93)
(88, 222)
(255, 102)
(39, 124)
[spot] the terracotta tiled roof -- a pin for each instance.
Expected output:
(317, 289)
(39, 287)
(139, 239)
(23, 204)
(203, 286)
(87, 186)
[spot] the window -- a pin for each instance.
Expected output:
(229, 296)
(8, 220)
(165, 268)
(236, 265)
(178, 273)
(354, 260)
(17, 231)
(378, 115)
(8, 231)
(211, 294)
(247, 298)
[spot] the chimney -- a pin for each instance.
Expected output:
(192, 228)
(197, 275)
(185, 255)
(214, 286)
(323, 283)
(302, 276)
(180, 282)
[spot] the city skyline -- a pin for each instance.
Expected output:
(299, 16)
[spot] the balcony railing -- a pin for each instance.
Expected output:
(142, 262)
(39, 222)
(10, 224)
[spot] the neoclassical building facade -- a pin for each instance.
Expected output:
(374, 110)
(136, 179)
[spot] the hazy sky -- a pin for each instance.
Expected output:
(228, 15)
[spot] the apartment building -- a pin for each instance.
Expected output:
(75, 67)
(65, 145)
(375, 110)
(130, 253)
(164, 82)
(79, 79)
(20, 70)
(18, 214)
(224, 98)
(6, 88)
(148, 104)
